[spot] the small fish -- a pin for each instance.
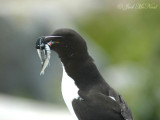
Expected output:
(44, 57)
(43, 45)
(40, 55)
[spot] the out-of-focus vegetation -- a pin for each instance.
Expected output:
(124, 43)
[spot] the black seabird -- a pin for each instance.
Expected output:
(86, 93)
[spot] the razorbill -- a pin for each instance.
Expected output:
(87, 95)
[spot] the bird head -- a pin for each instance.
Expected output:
(66, 42)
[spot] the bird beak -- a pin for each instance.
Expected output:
(49, 38)
(44, 51)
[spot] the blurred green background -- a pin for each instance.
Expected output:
(123, 38)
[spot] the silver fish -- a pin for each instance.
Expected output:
(40, 55)
(45, 57)
(44, 52)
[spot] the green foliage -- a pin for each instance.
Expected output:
(124, 35)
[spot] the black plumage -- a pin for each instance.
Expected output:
(97, 101)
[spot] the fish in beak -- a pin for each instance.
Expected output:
(45, 58)
(44, 52)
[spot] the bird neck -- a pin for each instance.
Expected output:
(83, 71)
